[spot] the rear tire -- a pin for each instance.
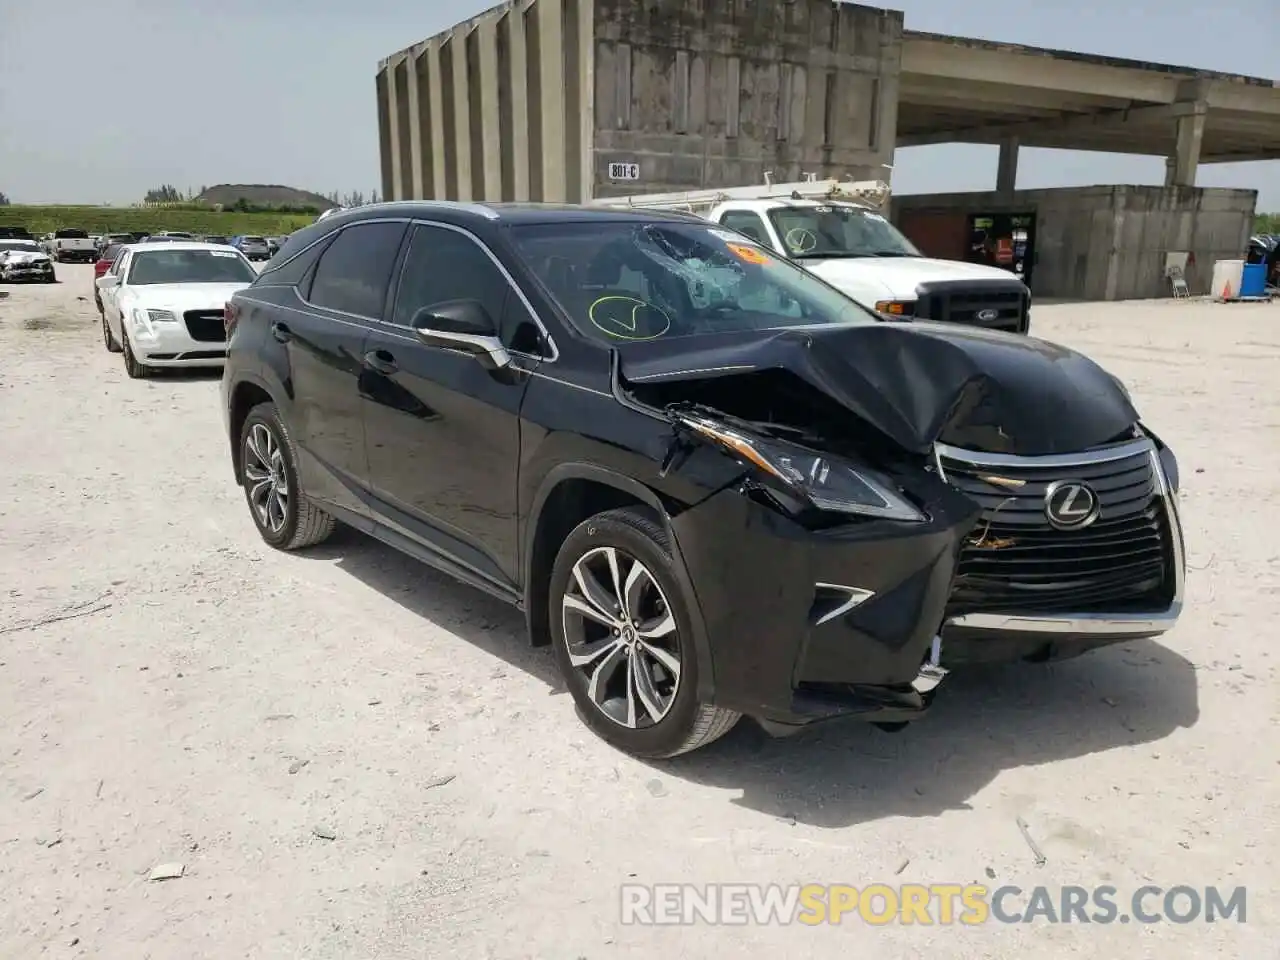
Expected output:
(285, 517)
(635, 683)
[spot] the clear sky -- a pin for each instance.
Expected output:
(101, 101)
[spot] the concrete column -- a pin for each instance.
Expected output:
(490, 126)
(518, 65)
(438, 188)
(1187, 156)
(462, 114)
(417, 163)
(382, 82)
(393, 113)
(551, 55)
(1007, 167)
(586, 80)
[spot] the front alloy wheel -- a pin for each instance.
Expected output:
(621, 632)
(622, 638)
(109, 338)
(136, 369)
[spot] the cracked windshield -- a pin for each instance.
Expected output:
(623, 282)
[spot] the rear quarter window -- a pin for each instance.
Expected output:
(293, 265)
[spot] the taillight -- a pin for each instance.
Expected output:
(230, 314)
(101, 267)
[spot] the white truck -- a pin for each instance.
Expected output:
(70, 244)
(835, 230)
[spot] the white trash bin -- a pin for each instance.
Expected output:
(1227, 277)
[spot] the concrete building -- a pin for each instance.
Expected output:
(565, 100)
(544, 99)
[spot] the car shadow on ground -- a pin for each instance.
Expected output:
(495, 627)
(185, 374)
(985, 719)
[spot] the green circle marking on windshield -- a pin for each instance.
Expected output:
(801, 240)
(621, 317)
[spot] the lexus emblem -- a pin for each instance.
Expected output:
(986, 316)
(1071, 505)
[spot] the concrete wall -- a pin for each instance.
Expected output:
(717, 92)
(533, 99)
(1106, 242)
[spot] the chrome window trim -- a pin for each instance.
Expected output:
(335, 234)
(1104, 624)
(387, 325)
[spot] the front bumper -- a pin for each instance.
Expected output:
(40, 272)
(170, 344)
(801, 626)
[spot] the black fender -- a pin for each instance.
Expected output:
(649, 497)
(245, 377)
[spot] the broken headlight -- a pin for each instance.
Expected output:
(821, 480)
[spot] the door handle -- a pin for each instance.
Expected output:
(281, 332)
(381, 361)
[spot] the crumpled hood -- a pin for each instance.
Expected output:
(918, 382)
(25, 256)
(900, 275)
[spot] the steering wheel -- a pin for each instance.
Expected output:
(800, 240)
(624, 316)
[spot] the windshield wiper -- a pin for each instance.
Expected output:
(890, 253)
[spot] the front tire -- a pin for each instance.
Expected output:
(132, 365)
(284, 515)
(108, 338)
(622, 635)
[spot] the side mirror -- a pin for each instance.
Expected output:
(463, 325)
(108, 280)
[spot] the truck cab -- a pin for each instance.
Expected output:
(858, 251)
(834, 229)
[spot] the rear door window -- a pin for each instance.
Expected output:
(354, 272)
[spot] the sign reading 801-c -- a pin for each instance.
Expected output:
(624, 171)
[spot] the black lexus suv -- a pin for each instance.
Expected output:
(715, 485)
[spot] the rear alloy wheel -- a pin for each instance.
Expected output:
(109, 338)
(621, 633)
(283, 514)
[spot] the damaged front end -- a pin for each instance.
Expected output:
(859, 556)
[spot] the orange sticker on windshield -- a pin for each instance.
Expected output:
(749, 254)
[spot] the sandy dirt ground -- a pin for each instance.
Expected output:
(354, 757)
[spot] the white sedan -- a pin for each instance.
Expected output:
(162, 304)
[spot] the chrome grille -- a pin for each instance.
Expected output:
(1014, 561)
(205, 326)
